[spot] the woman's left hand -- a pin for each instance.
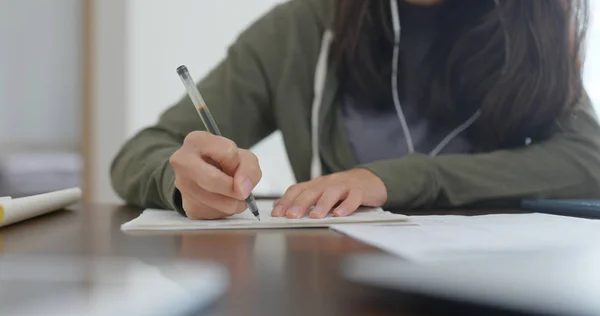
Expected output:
(351, 189)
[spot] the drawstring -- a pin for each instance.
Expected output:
(316, 168)
(395, 95)
(454, 134)
(409, 141)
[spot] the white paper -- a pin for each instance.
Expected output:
(446, 237)
(169, 220)
(16, 210)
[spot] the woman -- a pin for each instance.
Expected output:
(401, 104)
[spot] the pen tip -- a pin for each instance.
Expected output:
(182, 70)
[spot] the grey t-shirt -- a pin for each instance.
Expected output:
(375, 132)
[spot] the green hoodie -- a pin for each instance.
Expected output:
(267, 82)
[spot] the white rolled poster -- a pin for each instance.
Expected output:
(20, 209)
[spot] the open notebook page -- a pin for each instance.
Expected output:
(169, 220)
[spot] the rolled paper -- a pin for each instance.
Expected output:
(20, 209)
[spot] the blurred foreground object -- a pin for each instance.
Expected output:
(37, 285)
(526, 283)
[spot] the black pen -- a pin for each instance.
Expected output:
(207, 119)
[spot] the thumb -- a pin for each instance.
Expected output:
(247, 175)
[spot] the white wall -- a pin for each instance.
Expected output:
(139, 45)
(41, 59)
(165, 34)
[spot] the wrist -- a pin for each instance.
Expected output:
(410, 181)
(372, 186)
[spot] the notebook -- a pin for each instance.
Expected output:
(152, 219)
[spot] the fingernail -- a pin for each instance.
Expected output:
(294, 212)
(340, 212)
(317, 212)
(278, 211)
(247, 188)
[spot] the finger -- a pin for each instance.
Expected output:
(248, 174)
(288, 198)
(223, 204)
(221, 150)
(195, 210)
(216, 201)
(303, 203)
(188, 166)
(211, 178)
(327, 201)
(275, 203)
(350, 204)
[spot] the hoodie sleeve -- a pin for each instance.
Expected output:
(565, 166)
(239, 94)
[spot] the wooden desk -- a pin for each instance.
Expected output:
(273, 272)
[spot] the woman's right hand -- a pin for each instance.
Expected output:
(214, 176)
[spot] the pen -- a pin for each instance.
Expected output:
(207, 119)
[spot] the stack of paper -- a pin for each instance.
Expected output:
(170, 220)
(456, 237)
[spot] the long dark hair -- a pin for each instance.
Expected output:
(518, 62)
